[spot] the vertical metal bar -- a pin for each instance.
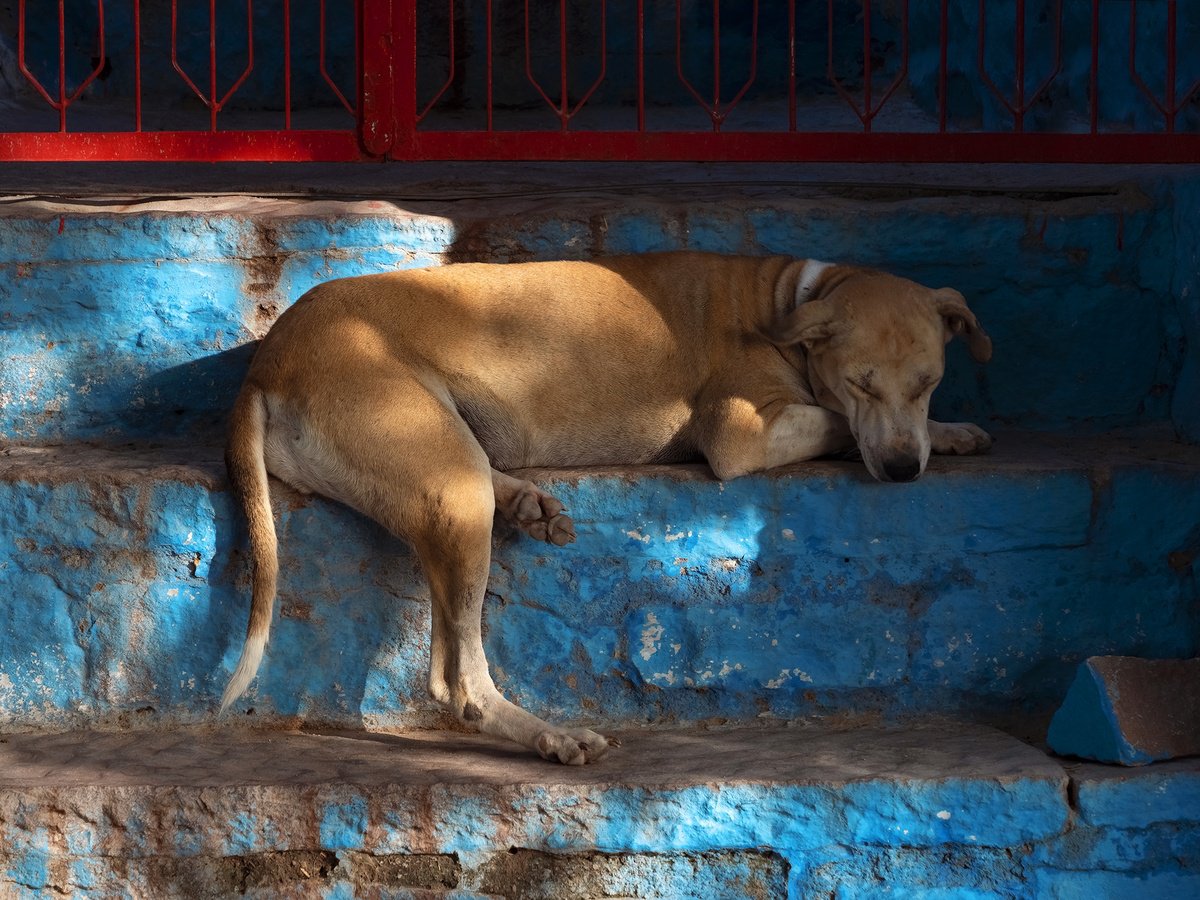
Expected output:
(641, 65)
(62, 66)
(404, 54)
(137, 65)
(1133, 41)
(1019, 115)
(212, 64)
(377, 105)
(1171, 61)
(1094, 79)
(867, 64)
(791, 65)
(829, 51)
(716, 53)
(943, 65)
(356, 12)
(564, 103)
(489, 65)
(287, 65)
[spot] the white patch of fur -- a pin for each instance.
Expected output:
(811, 274)
(247, 667)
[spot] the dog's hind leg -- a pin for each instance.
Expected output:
(410, 462)
(456, 560)
(532, 510)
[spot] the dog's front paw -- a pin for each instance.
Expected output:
(573, 746)
(541, 516)
(958, 438)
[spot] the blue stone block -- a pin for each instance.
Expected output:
(1130, 711)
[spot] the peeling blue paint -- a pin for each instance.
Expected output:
(816, 592)
(134, 326)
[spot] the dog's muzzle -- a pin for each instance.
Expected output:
(902, 468)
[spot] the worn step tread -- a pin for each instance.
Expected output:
(767, 754)
(430, 791)
(200, 462)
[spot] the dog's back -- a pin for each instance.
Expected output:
(556, 363)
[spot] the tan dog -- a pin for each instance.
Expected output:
(408, 395)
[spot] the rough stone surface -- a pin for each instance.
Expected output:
(812, 592)
(729, 808)
(134, 319)
(934, 811)
(1131, 711)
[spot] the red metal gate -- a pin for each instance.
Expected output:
(388, 114)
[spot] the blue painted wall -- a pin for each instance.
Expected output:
(130, 325)
(816, 592)
(128, 592)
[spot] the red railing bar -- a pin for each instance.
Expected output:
(212, 62)
(1171, 107)
(214, 104)
(403, 49)
(381, 68)
(781, 146)
(452, 63)
(715, 113)
(943, 65)
(249, 57)
(716, 53)
(62, 66)
(1022, 105)
(641, 65)
(867, 113)
(562, 57)
(30, 77)
(64, 100)
(849, 146)
(287, 65)
(137, 65)
(337, 92)
(1094, 76)
(563, 109)
(184, 146)
(791, 65)
(490, 104)
(866, 4)
(1170, 85)
(1019, 124)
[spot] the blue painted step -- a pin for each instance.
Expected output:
(815, 591)
(752, 812)
(131, 321)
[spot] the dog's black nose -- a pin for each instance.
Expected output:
(905, 468)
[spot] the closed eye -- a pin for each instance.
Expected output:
(862, 388)
(925, 384)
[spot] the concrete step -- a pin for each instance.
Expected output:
(811, 592)
(127, 315)
(749, 812)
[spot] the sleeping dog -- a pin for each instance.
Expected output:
(410, 395)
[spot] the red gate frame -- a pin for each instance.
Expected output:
(388, 118)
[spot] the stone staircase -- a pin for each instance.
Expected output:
(825, 686)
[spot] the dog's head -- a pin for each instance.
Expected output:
(875, 350)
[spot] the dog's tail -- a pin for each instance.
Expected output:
(248, 475)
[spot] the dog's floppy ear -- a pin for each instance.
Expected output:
(952, 307)
(808, 324)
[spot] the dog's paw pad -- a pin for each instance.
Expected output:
(541, 516)
(573, 746)
(560, 531)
